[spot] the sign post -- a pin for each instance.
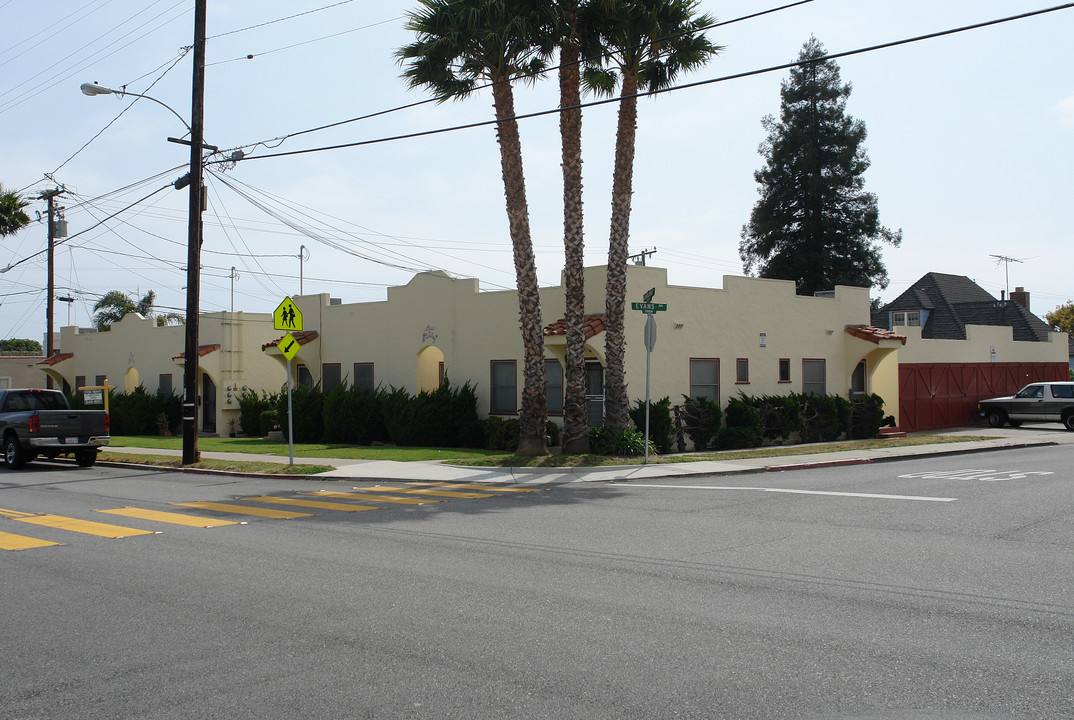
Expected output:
(650, 309)
(288, 317)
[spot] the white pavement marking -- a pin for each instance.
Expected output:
(870, 496)
(981, 475)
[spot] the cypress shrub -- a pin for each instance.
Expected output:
(308, 406)
(702, 418)
(661, 426)
(744, 428)
(251, 408)
(866, 416)
(824, 417)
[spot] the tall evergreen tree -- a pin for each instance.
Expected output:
(814, 223)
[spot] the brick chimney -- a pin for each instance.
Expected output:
(1020, 296)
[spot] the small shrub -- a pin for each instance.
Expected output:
(308, 406)
(267, 422)
(251, 407)
(743, 424)
(735, 437)
(622, 443)
(501, 434)
(823, 417)
(661, 426)
(866, 416)
(781, 415)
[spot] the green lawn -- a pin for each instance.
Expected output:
(477, 458)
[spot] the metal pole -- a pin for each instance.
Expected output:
(193, 268)
(648, 366)
(301, 257)
(290, 423)
(50, 310)
(233, 276)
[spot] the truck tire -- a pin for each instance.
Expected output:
(86, 458)
(996, 418)
(1068, 421)
(14, 456)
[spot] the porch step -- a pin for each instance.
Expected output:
(889, 432)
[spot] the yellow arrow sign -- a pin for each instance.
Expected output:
(287, 316)
(288, 346)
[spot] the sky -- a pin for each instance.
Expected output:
(971, 139)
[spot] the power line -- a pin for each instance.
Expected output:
(700, 83)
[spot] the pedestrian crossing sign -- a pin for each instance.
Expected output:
(287, 316)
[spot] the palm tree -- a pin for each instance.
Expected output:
(12, 218)
(575, 425)
(638, 44)
(114, 305)
(464, 43)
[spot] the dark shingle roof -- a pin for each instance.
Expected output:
(955, 301)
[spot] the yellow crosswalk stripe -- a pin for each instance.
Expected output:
(435, 493)
(9, 541)
(487, 488)
(243, 509)
(169, 517)
(374, 498)
(345, 507)
(15, 514)
(87, 527)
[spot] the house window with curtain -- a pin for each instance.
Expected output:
(742, 371)
(814, 377)
(705, 378)
(331, 376)
(504, 395)
(363, 376)
(911, 318)
(553, 387)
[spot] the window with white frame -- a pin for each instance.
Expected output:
(907, 318)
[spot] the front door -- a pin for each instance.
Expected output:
(594, 393)
(208, 404)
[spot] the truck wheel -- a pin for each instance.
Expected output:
(996, 418)
(1068, 421)
(86, 458)
(14, 455)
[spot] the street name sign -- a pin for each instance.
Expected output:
(648, 307)
(287, 316)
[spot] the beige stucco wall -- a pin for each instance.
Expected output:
(978, 345)
(19, 371)
(136, 351)
(472, 328)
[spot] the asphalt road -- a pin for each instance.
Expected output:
(933, 588)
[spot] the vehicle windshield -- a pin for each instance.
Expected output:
(31, 400)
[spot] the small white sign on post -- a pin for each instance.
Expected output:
(93, 397)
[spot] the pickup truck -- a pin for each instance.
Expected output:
(1037, 402)
(40, 422)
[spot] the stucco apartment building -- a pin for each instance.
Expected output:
(751, 335)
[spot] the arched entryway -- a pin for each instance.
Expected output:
(430, 368)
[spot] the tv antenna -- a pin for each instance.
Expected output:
(1006, 276)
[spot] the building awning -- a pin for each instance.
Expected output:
(302, 336)
(874, 334)
(203, 350)
(55, 359)
(591, 324)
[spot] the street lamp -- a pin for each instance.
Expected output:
(193, 265)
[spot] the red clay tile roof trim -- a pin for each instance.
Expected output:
(303, 337)
(203, 350)
(592, 324)
(55, 359)
(874, 334)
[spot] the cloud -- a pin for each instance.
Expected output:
(1065, 108)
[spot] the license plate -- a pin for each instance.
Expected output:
(65, 440)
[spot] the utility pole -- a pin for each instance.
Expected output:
(640, 257)
(193, 265)
(234, 277)
(303, 255)
(50, 307)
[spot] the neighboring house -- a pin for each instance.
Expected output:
(17, 370)
(135, 351)
(964, 345)
(1070, 351)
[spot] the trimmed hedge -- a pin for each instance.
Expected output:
(661, 426)
(138, 412)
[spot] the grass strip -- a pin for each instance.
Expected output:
(240, 466)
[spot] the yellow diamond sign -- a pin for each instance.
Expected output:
(288, 346)
(287, 316)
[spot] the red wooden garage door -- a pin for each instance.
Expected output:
(933, 396)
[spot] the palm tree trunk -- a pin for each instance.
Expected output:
(532, 412)
(616, 402)
(575, 425)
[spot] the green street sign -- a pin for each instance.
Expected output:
(648, 307)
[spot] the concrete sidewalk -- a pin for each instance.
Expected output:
(365, 470)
